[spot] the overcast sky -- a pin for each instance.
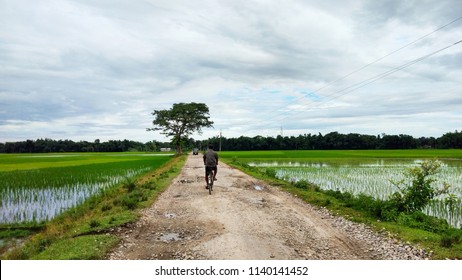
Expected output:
(86, 70)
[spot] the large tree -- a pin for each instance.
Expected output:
(182, 120)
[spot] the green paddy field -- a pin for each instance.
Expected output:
(37, 187)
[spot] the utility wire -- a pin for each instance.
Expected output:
(393, 52)
(373, 79)
(381, 76)
(369, 64)
(387, 73)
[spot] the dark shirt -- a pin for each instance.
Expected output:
(210, 158)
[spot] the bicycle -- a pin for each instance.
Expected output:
(210, 180)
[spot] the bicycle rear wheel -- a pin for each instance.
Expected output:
(210, 182)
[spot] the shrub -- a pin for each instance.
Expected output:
(149, 186)
(416, 195)
(43, 243)
(342, 196)
(94, 223)
(388, 211)
(305, 185)
(271, 172)
(130, 202)
(132, 199)
(451, 237)
(421, 221)
(106, 207)
(367, 203)
(129, 184)
(325, 202)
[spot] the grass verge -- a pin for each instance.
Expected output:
(85, 231)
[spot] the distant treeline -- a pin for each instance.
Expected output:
(337, 141)
(56, 146)
(330, 141)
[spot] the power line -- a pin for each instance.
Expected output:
(393, 52)
(375, 78)
(382, 75)
(388, 73)
(369, 64)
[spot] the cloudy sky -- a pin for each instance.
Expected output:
(86, 70)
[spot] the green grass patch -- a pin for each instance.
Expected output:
(89, 247)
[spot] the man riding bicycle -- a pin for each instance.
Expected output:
(210, 162)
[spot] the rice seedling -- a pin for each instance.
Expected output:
(373, 178)
(37, 195)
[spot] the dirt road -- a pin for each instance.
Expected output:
(242, 219)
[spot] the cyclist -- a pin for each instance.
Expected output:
(210, 162)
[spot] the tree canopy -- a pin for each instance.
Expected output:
(182, 120)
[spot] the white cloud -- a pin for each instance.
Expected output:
(84, 70)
